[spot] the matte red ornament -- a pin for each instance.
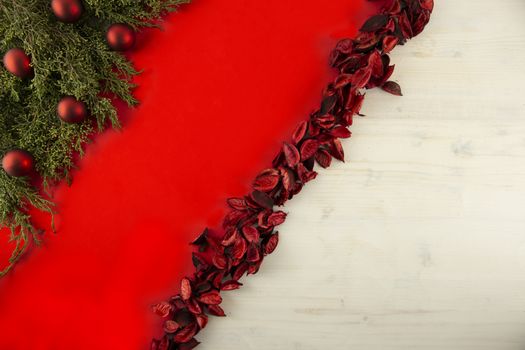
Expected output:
(120, 37)
(18, 163)
(67, 11)
(18, 63)
(71, 110)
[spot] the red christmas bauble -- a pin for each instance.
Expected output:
(67, 11)
(120, 37)
(71, 110)
(18, 63)
(18, 163)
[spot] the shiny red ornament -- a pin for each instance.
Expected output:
(18, 163)
(67, 11)
(71, 110)
(120, 37)
(18, 63)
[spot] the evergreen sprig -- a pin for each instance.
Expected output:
(68, 59)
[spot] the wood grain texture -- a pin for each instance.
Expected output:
(418, 241)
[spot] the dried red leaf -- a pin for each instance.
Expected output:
(271, 244)
(427, 5)
(220, 261)
(160, 344)
(201, 239)
(240, 271)
(230, 237)
(341, 132)
(171, 326)
(342, 80)
(375, 63)
(185, 289)
(276, 219)
(309, 148)
(239, 248)
(374, 23)
(392, 87)
(251, 234)
(389, 42)
(237, 203)
(327, 105)
(262, 199)
(266, 180)
(304, 174)
(231, 285)
(300, 132)
(185, 334)
(211, 298)
(189, 345)
(288, 179)
(323, 158)
(337, 150)
(202, 320)
(254, 268)
(193, 306)
(361, 78)
(216, 310)
(253, 254)
(291, 154)
(162, 309)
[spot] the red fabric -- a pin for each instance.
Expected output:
(223, 85)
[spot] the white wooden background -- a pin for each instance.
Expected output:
(419, 241)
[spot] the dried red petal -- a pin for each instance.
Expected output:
(266, 180)
(341, 132)
(361, 78)
(427, 4)
(231, 285)
(185, 289)
(230, 237)
(342, 80)
(375, 63)
(216, 310)
(392, 87)
(300, 132)
(304, 174)
(185, 334)
(162, 309)
(271, 244)
(202, 320)
(237, 203)
(337, 150)
(389, 42)
(323, 158)
(309, 148)
(253, 254)
(239, 248)
(250, 233)
(193, 306)
(211, 298)
(171, 326)
(220, 261)
(291, 154)
(201, 239)
(262, 199)
(240, 271)
(189, 345)
(328, 104)
(288, 179)
(374, 23)
(277, 218)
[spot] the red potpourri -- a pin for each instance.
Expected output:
(249, 228)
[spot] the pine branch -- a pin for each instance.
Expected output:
(68, 59)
